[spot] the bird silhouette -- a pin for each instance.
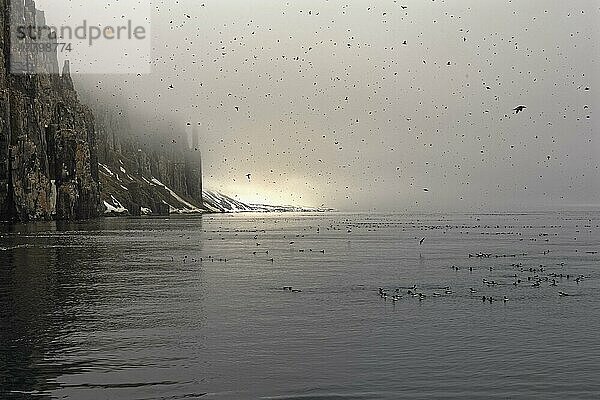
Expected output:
(518, 109)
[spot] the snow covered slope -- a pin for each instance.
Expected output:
(124, 190)
(218, 202)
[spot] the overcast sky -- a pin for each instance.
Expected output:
(364, 104)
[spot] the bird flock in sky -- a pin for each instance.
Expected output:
(328, 103)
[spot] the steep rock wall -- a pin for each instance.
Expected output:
(131, 159)
(48, 152)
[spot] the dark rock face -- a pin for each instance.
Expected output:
(51, 146)
(48, 151)
(131, 157)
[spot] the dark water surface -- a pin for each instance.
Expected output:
(125, 309)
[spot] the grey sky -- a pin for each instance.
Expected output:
(333, 108)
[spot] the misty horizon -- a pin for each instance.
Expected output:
(257, 199)
(371, 106)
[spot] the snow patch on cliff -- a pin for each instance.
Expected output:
(188, 207)
(106, 170)
(116, 207)
(218, 202)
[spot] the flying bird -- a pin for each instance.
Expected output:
(518, 109)
(421, 241)
(248, 176)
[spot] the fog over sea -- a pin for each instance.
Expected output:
(195, 307)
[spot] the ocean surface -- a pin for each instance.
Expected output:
(194, 307)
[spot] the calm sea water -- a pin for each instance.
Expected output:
(187, 308)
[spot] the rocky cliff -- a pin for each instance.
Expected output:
(60, 159)
(57, 156)
(48, 151)
(147, 166)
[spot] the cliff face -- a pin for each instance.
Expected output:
(153, 169)
(48, 151)
(61, 160)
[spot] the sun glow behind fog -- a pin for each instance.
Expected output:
(356, 110)
(250, 192)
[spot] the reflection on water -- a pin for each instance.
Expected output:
(193, 307)
(43, 282)
(88, 300)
